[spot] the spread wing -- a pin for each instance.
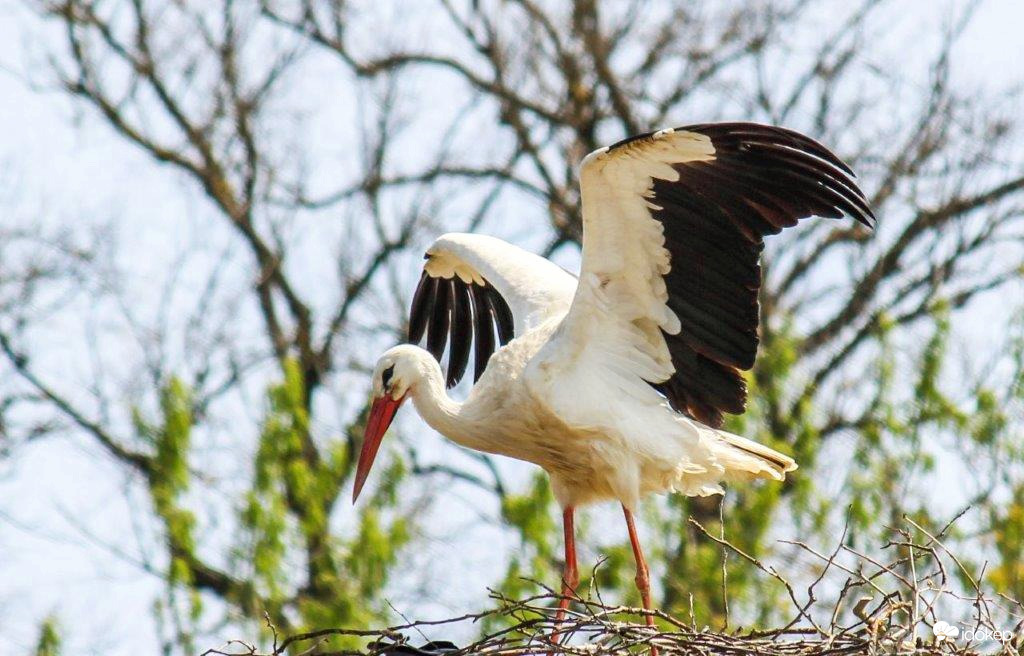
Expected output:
(477, 293)
(674, 223)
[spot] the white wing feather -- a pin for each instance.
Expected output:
(620, 308)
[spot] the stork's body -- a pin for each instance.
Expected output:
(615, 383)
(623, 451)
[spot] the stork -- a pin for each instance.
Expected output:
(616, 382)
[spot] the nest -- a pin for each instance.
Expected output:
(909, 604)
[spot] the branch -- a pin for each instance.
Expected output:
(140, 462)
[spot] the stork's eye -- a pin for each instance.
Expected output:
(385, 376)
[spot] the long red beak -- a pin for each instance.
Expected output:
(382, 412)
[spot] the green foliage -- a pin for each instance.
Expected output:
(49, 641)
(285, 517)
(168, 480)
(531, 516)
(288, 511)
(1008, 534)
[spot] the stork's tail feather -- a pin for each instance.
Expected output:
(744, 459)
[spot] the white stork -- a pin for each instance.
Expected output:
(615, 383)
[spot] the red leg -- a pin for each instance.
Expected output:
(570, 576)
(643, 579)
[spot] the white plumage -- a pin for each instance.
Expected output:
(615, 383)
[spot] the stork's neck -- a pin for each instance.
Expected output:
(439, 410)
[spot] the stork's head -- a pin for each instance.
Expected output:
(396, 373)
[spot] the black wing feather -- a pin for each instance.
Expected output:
(462, 317)
(762, 179)
(422, 307)
(483, 330)
(462, 333)
(440, 319)
(502, 316)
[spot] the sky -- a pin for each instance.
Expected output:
(57, 499)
